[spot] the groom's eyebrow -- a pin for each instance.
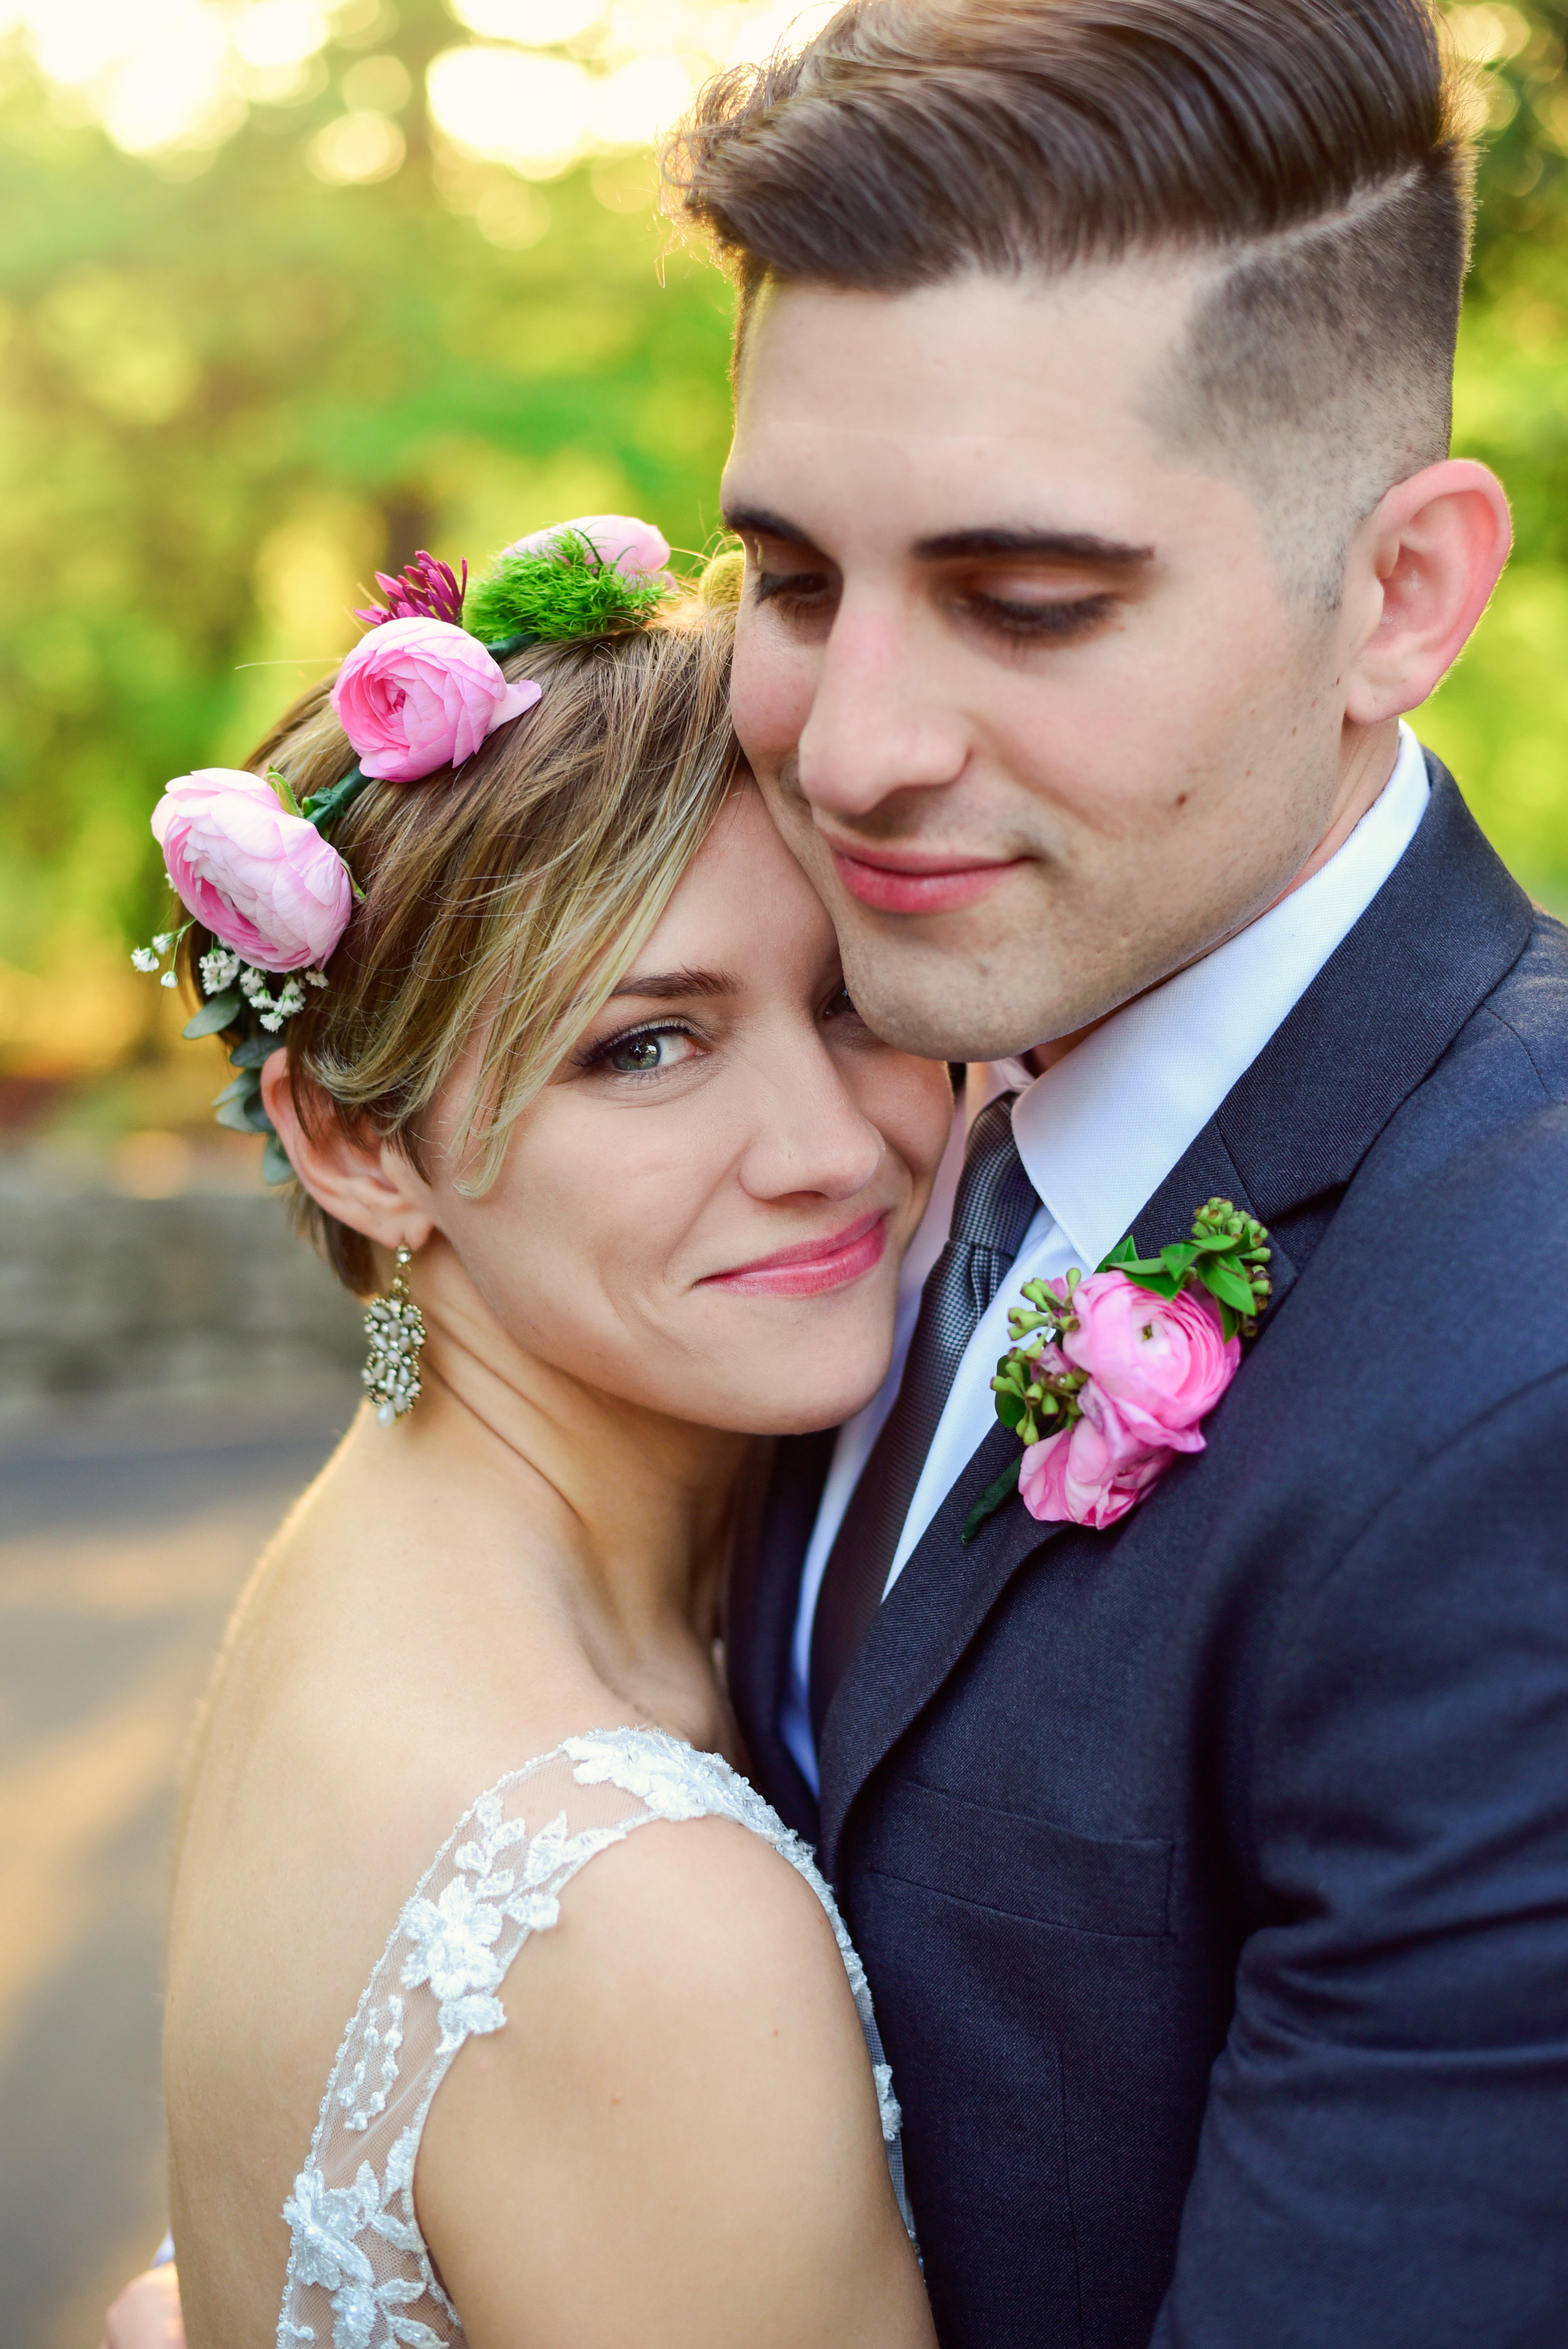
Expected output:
(964, 546)
(1043, 545)
(671, 985)
(759, 523)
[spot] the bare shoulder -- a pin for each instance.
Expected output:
(676, 2138)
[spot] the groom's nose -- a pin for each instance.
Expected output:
(879, 722)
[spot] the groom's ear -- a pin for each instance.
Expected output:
(351, 1172)
(1418, 576)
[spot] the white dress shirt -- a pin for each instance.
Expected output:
(1098, 1135)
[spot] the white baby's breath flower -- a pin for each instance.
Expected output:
(163, 941)
(170, 978)
(144, 958)
(220, 967)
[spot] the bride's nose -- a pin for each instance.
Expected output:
(808, 1134)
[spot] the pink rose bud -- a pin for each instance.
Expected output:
(261, 880)
(1095, 1471)
(635, 548)
(1163, 1361)
(415, 695)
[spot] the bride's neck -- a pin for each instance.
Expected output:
(636, 1505)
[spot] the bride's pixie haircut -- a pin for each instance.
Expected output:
(1308, 155)
(504, 899)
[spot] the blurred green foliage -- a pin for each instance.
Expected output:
(229, 395)
(227, 400)
(1502, 717)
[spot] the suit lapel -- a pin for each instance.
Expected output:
(1443, 930)
(922, 1629)
(761, 1601)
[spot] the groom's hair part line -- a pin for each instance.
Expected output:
(1305, 157)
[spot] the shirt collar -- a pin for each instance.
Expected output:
(1099, 1133)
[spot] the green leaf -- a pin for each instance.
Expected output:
(275, 1167)
(259, 1122)
(1223, 1281)
(244, 1086)
(1122, 1255)
(233, 1116)
(255, 1050)
(996, 1496)
(221, 1011)
(1009, 1409)
(285, 790)
(1158, 1284)
(1179, 1256)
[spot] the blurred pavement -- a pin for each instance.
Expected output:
(172, 1373)
(116, 1575)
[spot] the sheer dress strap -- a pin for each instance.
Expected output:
(359, 2273)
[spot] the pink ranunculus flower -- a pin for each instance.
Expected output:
(1163, 1361)
(417, 694)
(261, 880)
(1095, 1471)
(635, 547)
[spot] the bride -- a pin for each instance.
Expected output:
(563, 1065)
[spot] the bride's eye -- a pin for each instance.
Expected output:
(647, 1052)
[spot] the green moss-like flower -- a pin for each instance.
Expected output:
(567, 592)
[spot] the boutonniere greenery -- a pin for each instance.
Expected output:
(1108, 1378)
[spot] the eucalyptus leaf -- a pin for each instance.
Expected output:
(243, 1088)
(253, 1051)
(275, 1167)
(259, 1122)
(996, 1496)
(220, 1011)
(233, 1116)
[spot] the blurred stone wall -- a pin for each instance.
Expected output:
(196, 1316)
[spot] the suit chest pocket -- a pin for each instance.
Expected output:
(1021, 1867)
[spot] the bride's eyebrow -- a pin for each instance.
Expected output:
(672, 985)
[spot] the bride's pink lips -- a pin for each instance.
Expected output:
(811, 1267)
(891, 884)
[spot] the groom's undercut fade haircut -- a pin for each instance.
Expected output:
(1306, 156)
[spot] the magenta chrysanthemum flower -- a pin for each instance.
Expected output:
(425, 590)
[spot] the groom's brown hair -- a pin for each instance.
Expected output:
(1313, 148)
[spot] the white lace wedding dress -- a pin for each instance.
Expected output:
(359, 2273)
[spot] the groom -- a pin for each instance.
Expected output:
(1212, 1869)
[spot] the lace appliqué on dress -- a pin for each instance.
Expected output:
(360, 2273)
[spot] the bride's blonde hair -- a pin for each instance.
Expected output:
(503, 901)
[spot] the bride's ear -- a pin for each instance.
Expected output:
(354, 1175)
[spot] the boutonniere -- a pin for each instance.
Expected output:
(1110, 1378)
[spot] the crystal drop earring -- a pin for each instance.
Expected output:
(396, 1329)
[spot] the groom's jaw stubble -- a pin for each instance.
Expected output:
(1098, 767)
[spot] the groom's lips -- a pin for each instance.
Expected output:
(890, 883)
(811, 1267)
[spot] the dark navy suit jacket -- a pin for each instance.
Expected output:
(1211, 1872)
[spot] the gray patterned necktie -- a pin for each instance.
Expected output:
(994, 1209)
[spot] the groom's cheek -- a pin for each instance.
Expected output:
(772, 685)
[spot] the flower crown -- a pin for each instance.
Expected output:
(420, 692)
